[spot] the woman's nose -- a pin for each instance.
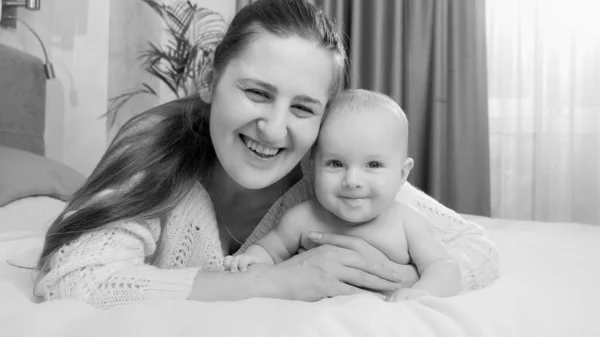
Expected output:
(352, 179)
(273, 126)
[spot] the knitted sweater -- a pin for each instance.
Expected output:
(132, 261)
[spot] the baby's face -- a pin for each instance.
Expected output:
(358, 164)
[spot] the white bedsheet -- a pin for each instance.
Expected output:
(549, 287)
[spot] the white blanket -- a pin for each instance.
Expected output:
(548, 288)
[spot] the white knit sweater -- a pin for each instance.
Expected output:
(126, 262)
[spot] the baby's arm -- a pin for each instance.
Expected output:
(277, 246)
(440, 273)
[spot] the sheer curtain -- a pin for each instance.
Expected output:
(544, 109)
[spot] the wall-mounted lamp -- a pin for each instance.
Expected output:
(48, 67)
(9, 7)
(29, 4)
(35, 6)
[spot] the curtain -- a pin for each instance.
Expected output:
(544, 112)
(429, 56)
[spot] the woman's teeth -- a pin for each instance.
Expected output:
(260, 149)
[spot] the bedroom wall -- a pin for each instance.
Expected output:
(140, 25)
(76, 36)
(133, 25)
(94, 47)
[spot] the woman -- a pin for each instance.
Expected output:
(192, 180)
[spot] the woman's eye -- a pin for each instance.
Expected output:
(334, 163)
(374, 165)
(257, 95)
(303, 110)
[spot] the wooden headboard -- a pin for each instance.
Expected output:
(22, 100)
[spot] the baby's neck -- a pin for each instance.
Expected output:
(334, 219)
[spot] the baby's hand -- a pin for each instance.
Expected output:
(239, 262)
(407, 294)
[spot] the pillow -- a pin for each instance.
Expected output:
(24, 174)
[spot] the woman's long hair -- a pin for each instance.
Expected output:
(157, 157)
(151, 164)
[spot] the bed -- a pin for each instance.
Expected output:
(548, 286)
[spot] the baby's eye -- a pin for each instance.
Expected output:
(375, 165)
(257, 95)
(334, 163)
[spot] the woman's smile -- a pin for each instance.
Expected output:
(260, 150)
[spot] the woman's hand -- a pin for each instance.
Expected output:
(340, 265)
(328, 271)
(407, 274)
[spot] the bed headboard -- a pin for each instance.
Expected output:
(22, 100)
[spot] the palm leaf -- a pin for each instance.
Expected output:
(192, 35)
(117, 102)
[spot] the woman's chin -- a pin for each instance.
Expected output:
(256, 180)
(252, 172)
(255, 184)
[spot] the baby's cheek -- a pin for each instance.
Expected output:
(385, 193)
(325, 184)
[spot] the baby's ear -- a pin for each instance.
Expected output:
(406, 167)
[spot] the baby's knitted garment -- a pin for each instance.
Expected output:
(132, 261)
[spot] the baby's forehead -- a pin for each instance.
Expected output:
(365, 116)
(364, 101)
(374, 125)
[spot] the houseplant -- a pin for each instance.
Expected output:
(192, 34)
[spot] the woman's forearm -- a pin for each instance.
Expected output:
(226, 286)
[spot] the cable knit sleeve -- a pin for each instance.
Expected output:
(107, 267)
(466, 241)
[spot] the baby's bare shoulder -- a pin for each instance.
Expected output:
(302, 210)
(300, 215)
(405, 210)
(409, 215)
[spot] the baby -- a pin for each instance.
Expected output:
(360, 163)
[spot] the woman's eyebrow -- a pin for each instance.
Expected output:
(272, 88)
(308, 99)
(265, 85)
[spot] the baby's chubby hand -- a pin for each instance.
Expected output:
(239, 262)
(407, 294)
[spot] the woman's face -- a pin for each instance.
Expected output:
(267, 107)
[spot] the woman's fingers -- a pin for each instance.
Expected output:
(334, 260)
(354, 269)
(363, 279)
(371, 267)
(408, 274)
(372, 260)
(327, 271)
(347, 290)
(344, 241)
